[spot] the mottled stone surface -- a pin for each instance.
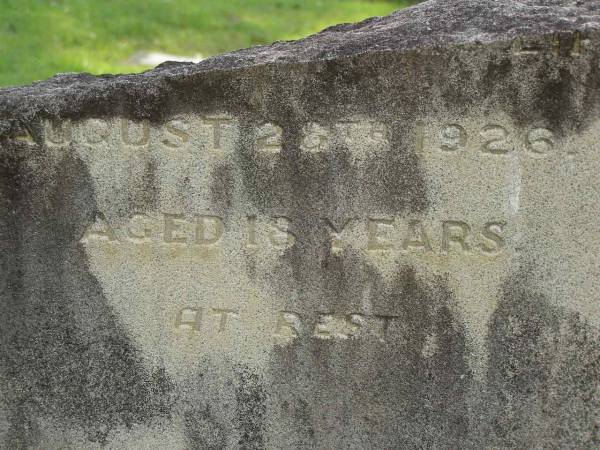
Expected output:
(383, 236)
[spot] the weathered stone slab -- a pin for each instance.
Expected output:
(386, 235)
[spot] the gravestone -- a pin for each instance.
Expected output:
(386, 235)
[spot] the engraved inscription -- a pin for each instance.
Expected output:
(492, 240)
(454, 237)
(490, 139)
(419, 136)
(381, 234)
(209, 230)
(224, 317)
(331, 326)
(212, 133)
(174, 232)
(455, 232)
(216, 134)
(252, 243)
(217, 320)
(287, 326)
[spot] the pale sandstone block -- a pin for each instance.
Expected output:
(386, 235)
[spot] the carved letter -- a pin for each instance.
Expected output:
(454, 231)
(385, 325)
(142, 140)
(24, 135)
(375, 240)
(139, 230)
(336, 242)
(496, 140)
(379, 133)
(280, 236)
(539, 141)
(173, 223)
(416, 237)
(100, 230)
(268, 138)
(288, 326)
(492, 232)
(355, 322)
(324, 328)
(216, 123)
(189, 318)
(223, 315)
(209, 230)
(178, 129)
(332, 326)
(96, 131)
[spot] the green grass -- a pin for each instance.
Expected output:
(39, 38)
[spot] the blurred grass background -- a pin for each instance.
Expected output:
(39, 38)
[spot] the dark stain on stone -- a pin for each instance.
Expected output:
(203, 431)
(498, 72)
(143, 190)
(536, 90)
(330, 182)
(543, 374)
(222, 187)
(63, 354)
(388, 180)
(557, 99)
(498, 69)
(300, 412)
(404, 391)
(23, 432)
(251, 409)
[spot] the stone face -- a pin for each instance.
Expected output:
(386, 235)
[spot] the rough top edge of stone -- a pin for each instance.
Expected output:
(429, 24)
